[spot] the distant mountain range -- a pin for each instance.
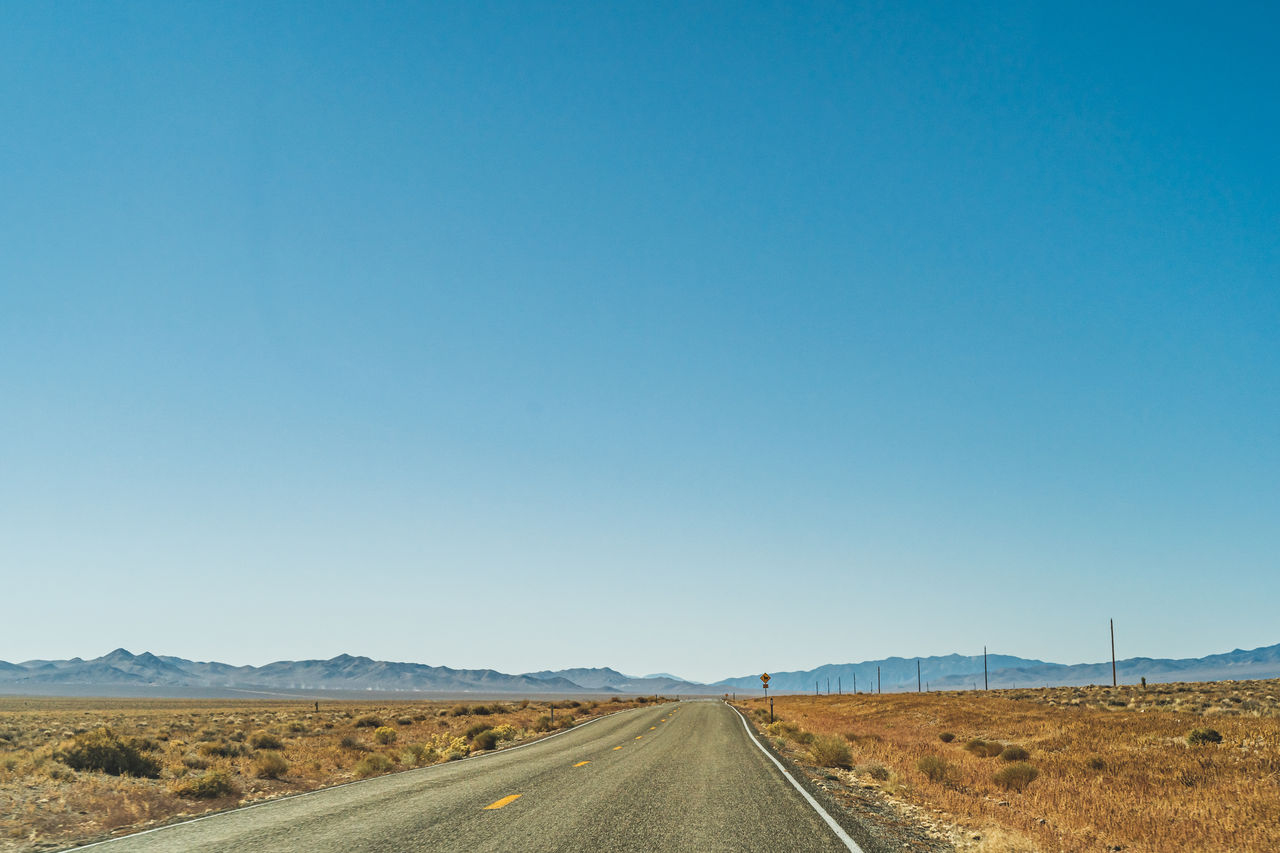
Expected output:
(961, 672)
(121, 673)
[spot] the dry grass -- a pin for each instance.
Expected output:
(1111, 767)
(260, 749)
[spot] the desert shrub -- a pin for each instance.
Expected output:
(405, 721)
(487, 739)
(830, 751)
(385, 734)
(524, 703)
(418, 754)
(876, 771)
(475, 729)
(195, 762)
(459, 710)
(270, 765)
(372, 765)
(542, 724)
(351, 742)
(1014, 753)
(220, 749)
(566, 721)
(505, 732)
(947, 737)
(265, 740)
(1016, 777)
(935, 769)
(983, 748)
(368, 721)
(297, 727)
(1096, 762)
(103, 751)
(206, 786)
(1202, 736)
(642, 700)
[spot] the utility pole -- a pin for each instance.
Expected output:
(1113, 653)
(878, 690)
(828, 686)
(839, 686)
(815, 688)
(917, 675)
(986, 685)
(855, 684)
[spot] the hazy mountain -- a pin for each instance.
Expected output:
(957, 672)
(604, 678)
(895, 673)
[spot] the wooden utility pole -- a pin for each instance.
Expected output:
(878, 690)
(986, 685)
(1113, 653)
(839, 685)
(917, 675)
(855, 684)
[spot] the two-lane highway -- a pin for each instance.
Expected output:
(673, 777)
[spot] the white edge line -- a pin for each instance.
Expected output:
(831, 822)
(342, 785)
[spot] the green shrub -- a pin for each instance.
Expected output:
(947, 737)
(459, 710)
(1203, 736)
(487, 739)
(372, 765)
(265, 740)
(876, 771)
(830, 751)
(405, 721)
(935, 769)
(103, 751)
(1096, 762)
(566, 721)
(983, 748)
(542, 724)
(368, 721)
(419, 754)
(1016, 777)
(205, 787)
(352, 742)
(475, 729)
(270, 765)
(1014, 753)
(481, 710)
(385, 734)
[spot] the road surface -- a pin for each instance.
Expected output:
(672, 777)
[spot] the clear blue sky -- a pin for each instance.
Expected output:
(708, 338)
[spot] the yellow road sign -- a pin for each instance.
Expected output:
(765, 678)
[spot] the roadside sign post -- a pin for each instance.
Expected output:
(764, 679)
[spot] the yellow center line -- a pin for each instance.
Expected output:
(505, 801)
(651, 728)
(617, 747)
(580, 763)
(639, 736)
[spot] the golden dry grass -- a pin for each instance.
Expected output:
(44, 803)
(1115, 768)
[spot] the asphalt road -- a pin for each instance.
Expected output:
(674, 777)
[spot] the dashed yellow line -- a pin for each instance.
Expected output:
(617, 747)
(580, 763)
(651, 728)
(639, 736)
(505, 801)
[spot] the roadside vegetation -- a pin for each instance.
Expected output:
(1168, 767)
(77, 769)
